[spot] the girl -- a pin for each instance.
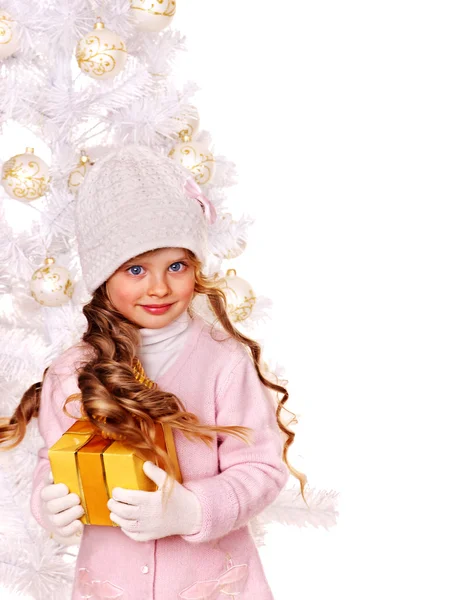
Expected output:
(142, 227)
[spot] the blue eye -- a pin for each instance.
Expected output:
(134, 267)
(177, 263)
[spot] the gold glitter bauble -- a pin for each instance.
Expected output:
(196, 157)
(239, 242)
(241, 245)
(9, 42)
(25, 176)
(101, 53)
(240, 296)
(153, 15)
(77, 176)
(189, 125)
(51, 285)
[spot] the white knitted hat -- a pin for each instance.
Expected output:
(130, 202)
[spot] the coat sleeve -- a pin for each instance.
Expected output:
(52, 423)
(250, 476)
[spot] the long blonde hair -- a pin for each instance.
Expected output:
(123, 408)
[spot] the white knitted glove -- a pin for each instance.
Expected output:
(142, 516)
(60, 510)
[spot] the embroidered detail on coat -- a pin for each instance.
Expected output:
(230, 583)
(96, 589)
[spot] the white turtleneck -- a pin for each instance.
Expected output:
(160, 347)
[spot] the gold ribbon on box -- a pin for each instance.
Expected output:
(91, 465)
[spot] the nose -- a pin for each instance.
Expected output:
(158, 287)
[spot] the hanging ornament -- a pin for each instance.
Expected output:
(238, 239)
(77, 176)
(240, 296)
(237, 250)
(196, 157)
(101, 53)
(25, 176)
(153, 15)
(189, 125)
(51, 285)
(9, 40)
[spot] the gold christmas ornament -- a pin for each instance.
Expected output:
(196, 157)
(51, 285)
(240, 296)
(25, 176)
(77, 176)
(240, 243)
(101, 53)
(237, 250)
(9, 41)
(189, 125)
(153, 15)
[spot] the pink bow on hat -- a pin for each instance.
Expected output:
(192, 190)
(230, 583)
(96, 589)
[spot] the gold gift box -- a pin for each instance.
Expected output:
(92, 466)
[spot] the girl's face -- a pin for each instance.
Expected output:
(153, 279)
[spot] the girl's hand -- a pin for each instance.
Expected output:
(61, 511)
(142, 516)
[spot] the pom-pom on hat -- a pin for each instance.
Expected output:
(132, 201)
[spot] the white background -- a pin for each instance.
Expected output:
(337, 117)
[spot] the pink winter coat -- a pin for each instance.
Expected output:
(233, 481)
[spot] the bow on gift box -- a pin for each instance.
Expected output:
(192, 190)
(96, 589)
(231, 583)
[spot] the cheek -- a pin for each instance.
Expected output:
(186, 288)
(120, 292)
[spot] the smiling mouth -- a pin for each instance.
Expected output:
(156, 305)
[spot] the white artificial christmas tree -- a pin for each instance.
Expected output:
(54, 92)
